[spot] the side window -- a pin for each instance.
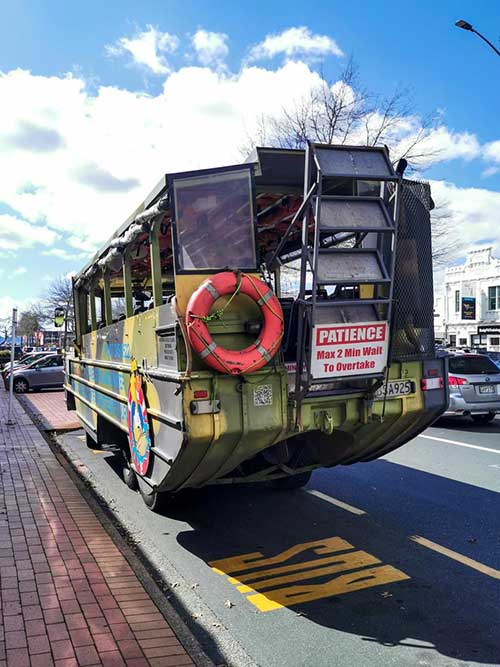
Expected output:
(117, 295)
(140, 268)
(214, 220)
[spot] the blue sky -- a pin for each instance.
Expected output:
(113, 94)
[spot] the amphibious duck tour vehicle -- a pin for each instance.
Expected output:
(255, 322)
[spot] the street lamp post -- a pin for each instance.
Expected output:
(465, 25)
(10, 421)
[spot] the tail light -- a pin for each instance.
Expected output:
(431, 383)
(454, 381)
(200, 393)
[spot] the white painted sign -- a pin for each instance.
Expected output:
(342, 350)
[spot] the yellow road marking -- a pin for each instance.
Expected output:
(257, 559)
(335, 501)
(349, 561)
(460, 444)
(344, 583)
(465, 560)
(285, 569)
(280, 580)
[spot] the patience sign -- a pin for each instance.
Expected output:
(340, 350)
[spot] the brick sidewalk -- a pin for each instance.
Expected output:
(68, 595)
(48, 408)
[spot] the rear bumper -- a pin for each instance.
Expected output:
(458, 406)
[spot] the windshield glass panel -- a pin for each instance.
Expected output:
(214, 219)
(472, 366)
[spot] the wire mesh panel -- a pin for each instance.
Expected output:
(413, 331)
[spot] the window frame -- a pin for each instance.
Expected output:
(457, 301)
(253, 221)
(494, 297)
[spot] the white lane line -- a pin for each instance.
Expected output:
(335, 501)
(460, 444)
(465, 560)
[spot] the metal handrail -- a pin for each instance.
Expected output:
(297, 215)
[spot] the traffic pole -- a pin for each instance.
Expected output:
(10, 421)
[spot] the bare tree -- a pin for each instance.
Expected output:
(5, 326)
(344, 111)
(59, 294)
(445, 241)
(29, 323)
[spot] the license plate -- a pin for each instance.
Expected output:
(487, 389)
(395, 388)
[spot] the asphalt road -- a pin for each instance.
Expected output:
(409, 546)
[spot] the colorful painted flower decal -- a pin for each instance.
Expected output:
(138, 425)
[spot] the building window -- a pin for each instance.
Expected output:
(457, 301)
(494, 341)
(463, 341)
(494, 298)
(453, 340)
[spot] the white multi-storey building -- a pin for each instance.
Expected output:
(468, 314)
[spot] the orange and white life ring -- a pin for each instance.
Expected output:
(254, 356)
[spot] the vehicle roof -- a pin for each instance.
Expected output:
(279, 183)
(276, 170)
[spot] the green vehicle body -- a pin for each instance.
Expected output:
(207, 427)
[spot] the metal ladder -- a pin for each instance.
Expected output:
(348, 245)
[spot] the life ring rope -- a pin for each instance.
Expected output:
(261, 350)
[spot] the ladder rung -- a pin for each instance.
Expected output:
(357, 162)
(352, 302)
(352, 281)
(352, 214)
(350, 266)
(371, 230)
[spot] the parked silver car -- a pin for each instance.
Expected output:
(44, 373)
(474, 383)
(26, 360)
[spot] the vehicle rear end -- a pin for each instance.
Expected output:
(474, 386)
(357, 374)
(338, 246)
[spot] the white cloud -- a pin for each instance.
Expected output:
(65, 254)
(211, 47)
(147, 48)
(19, 271)
(295, 42)
(115, 144)
(492, 151)
(7, 303)
(473, 212)
(17, 233)
(99, 153)
(433, 145)
(490, 171)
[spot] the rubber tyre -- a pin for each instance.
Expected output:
(129, 478)
(292, 482)
(156, 502)
(483, 419)
(21, 386)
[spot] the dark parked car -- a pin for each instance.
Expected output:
(44, 373)
(474, 383)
